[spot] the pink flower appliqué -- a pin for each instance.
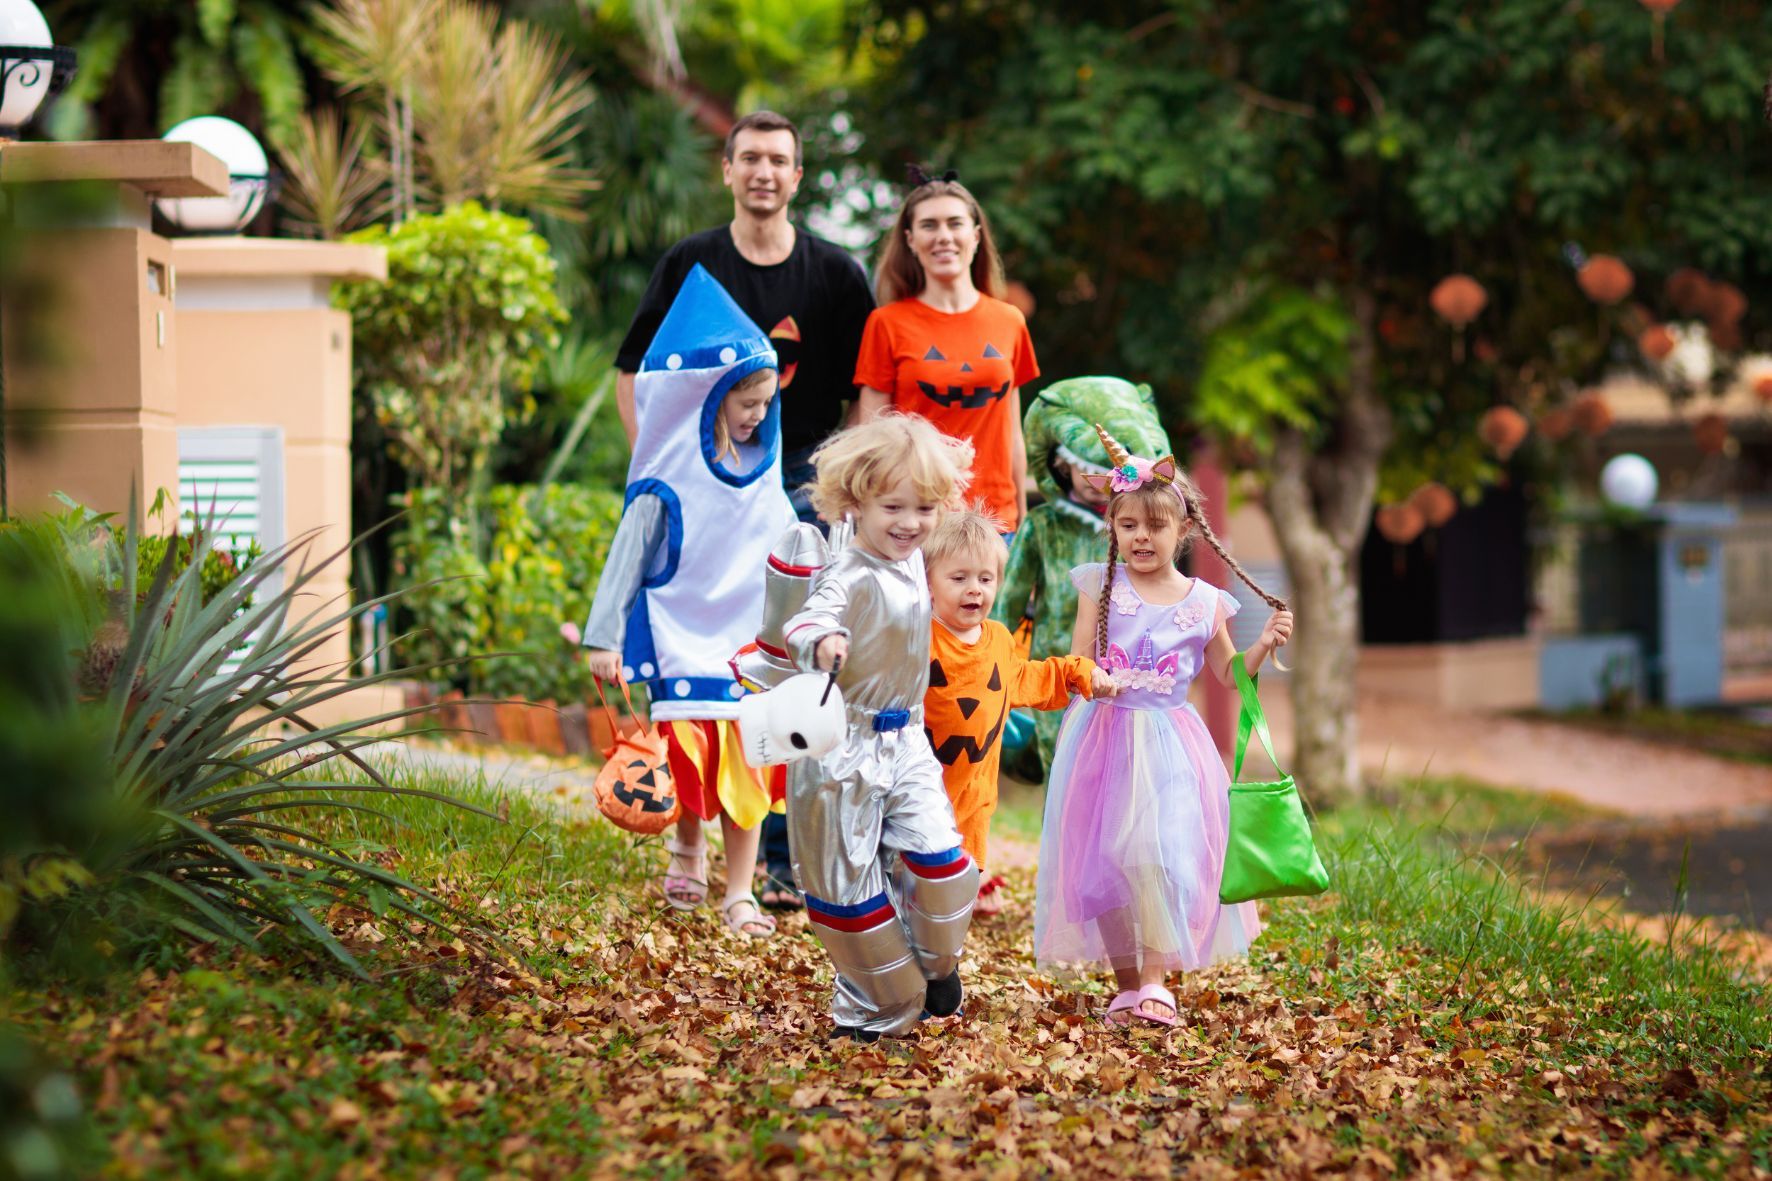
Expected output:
(1123, 598)
(1189, 614)
(1131, 475)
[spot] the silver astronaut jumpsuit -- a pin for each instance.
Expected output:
(888, 888)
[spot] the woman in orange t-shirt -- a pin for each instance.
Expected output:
(943, 345)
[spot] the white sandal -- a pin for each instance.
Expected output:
(757, 919)
(686, 891)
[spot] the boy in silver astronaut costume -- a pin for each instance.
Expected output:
(888, 888)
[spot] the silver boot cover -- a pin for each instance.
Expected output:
(879, 983)
(937, 892)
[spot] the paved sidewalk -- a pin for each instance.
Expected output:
(563, 780)
(1402, 737)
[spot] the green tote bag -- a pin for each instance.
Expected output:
(1270, 853)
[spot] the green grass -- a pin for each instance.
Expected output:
(1020, 810)
(1497, 942)
(1460, 808)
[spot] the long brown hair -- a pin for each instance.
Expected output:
(901, 275)
(1161, 504)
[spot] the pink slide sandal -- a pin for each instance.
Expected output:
(1162, 996)
(1119, 1011)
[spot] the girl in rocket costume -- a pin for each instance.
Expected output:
(889, 890)
(680, 590)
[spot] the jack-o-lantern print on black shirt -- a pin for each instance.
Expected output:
(957, 370)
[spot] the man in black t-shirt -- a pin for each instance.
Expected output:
(807, 294)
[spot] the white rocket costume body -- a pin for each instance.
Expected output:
(683, 588)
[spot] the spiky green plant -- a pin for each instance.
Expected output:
(201, 709)
(333, 183)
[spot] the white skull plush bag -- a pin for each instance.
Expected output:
(801, 718)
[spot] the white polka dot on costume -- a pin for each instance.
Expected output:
(681, 688)
(735, 690)
(646, 669)
(674, 361)
(728, 355)
(627, 674)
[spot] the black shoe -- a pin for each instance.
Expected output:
(944, 996)
(866, 1037)
(779, 892)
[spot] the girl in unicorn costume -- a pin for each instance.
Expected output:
(680, 590)
(1138, 807)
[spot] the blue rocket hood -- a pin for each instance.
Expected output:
(705, 329)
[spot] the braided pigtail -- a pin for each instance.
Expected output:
(1107, 586)
(1198, 516)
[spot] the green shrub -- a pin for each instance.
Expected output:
(44, 1135)
(466, 315)
(220, 566)
(505, 581)
(139, 772)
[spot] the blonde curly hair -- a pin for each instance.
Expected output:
(866, 461)
(968, 532)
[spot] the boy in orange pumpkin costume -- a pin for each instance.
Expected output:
(977, 675)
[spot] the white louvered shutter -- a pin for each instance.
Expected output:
(234, 474)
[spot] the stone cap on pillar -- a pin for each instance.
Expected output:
(126, 174)
(268, 274)
(154, 166)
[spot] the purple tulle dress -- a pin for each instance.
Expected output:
(1138, 806)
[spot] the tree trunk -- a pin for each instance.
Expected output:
(1321, 501)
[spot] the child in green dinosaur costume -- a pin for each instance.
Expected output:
(1068, 530)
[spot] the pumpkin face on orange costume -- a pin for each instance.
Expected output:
(972, 688)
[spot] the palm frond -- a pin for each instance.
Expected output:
(368, 44)
(452, 101)
(333, 184)
(536, 102)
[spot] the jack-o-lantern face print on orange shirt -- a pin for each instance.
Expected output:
(963, 387)
(956, 369)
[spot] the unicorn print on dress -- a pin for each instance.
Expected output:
(1146, 670)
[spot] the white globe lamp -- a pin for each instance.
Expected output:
(32, 66)
(1629, 481)
(249, 177)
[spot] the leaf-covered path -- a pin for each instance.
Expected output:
(1304, 1058)
(1418, 1021)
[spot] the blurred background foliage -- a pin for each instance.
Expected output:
(1248, 205)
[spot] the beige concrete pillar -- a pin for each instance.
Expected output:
(90, 343)
(260, 346)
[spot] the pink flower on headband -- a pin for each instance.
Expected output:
(1130, 475)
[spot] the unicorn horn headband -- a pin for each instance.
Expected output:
(1128, 473)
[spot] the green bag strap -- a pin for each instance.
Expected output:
(1250, 718)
